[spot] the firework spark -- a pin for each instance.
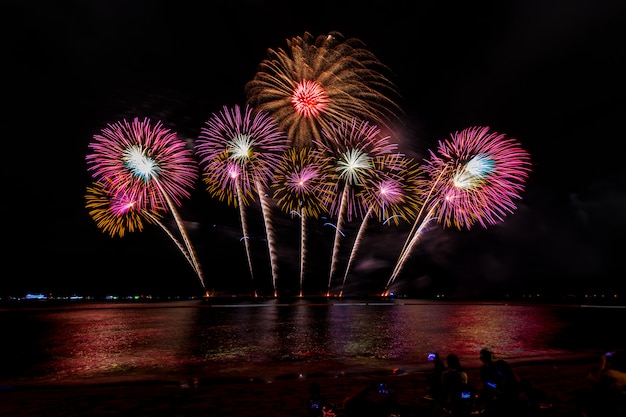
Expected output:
(119, 213)
(315, 83)
(116, 214)
(250, 143)
(391, 191)
(352, 146)
(144, 160)
(299, 190)
(475, 177)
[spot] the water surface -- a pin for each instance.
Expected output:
(273, 339)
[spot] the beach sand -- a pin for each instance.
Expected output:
(188, 395)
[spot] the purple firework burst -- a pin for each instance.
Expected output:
(251, 139)
(393, 191)
(301, 181)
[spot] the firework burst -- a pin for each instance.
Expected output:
(147, 162)
(116, 214)
(301, 188)
(146, 158)
(391, 190)
(352, 146)
(475, 177)
(316, 82)
(485, 172)
(249, 145)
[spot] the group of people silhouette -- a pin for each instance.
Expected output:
(500, 390)
(450, 392)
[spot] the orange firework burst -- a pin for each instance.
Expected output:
(318, 82)
(117, 214)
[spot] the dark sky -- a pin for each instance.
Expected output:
(550, 74)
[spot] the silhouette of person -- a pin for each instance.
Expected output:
(508, 399)
(458, 393)
(435, 389)
(489, 377)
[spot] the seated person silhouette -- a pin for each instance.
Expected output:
(458, 397)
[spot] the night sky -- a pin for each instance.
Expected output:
(550, 74)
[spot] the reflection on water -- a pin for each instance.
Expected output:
(102, 339)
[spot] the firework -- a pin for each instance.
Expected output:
(391, 191)
(352, 147)
(116, 214)
(475, 177)
(487, 173)
(250, 143)
(298, 190)
(227, 181)
(144, 160)
(119, 213)
(315, 83)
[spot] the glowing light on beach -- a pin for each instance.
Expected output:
(316, 82)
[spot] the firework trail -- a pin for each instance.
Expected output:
(391, 190)
(298, 190)
(252, 140)
(147, 161)
(226, 181)
(476, 176)
(352, 147)
(119, 213)
(317, 82)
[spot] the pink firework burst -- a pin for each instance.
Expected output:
(309, 99)
(249, 145)
(474, 177)
(145, 159)
(300, 189)
(148, 162)
(249, 138)
(391, 191)
(318, 81)
(477, 176)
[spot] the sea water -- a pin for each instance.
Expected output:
(270, 339)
